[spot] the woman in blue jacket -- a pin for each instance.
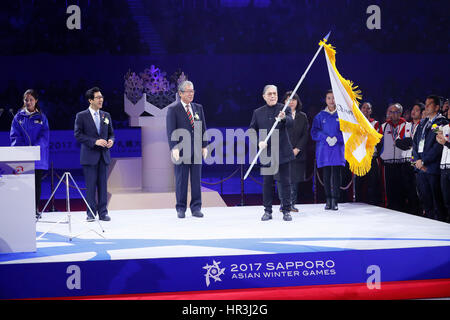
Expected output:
(30, 128)
(329, 150)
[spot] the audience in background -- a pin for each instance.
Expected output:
(427, 153)
(368, 187)
(443, 138)
(393, 158)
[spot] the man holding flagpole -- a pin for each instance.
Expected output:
(263, 118)
(359, 137)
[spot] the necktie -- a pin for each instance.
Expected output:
(97, 121)
(191, 119)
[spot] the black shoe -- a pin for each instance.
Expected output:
(287, 216)
(181, 214)
(328, 205)
(294, 209)
(267, 216)
(90, 217)
(334, 204)
(197, 214)
(105, 218)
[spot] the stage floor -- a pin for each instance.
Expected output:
(152, 251)
(158, 233)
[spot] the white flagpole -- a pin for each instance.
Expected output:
(285, 106)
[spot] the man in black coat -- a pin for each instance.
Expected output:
(427, 154)
(263, 119)
(94, 132)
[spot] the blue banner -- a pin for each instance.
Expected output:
(65, 150)
(64, 279)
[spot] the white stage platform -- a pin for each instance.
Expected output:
(356, 236)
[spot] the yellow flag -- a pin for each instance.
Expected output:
(360, 137)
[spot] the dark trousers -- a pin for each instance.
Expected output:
(38, 174)
(431, 195)
(445, 187)
(410, 190)
(395, 189)
(332, 182)
(293, 188)
(182, 172)
(285, 189)
(95, 177)
(368, 187)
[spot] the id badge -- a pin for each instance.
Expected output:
(421, 144)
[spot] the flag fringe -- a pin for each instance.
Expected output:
(359, 131)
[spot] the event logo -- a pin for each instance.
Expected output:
(283, 269)
(18, 170)
(213, 272)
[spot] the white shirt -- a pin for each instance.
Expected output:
(92, 113)
(184, 106)
(445, 159)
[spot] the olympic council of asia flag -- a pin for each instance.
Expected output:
(360, 137)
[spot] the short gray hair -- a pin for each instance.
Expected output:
(397, 105)
(182, 86)
(266, 87)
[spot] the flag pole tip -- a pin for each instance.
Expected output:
(327, 36)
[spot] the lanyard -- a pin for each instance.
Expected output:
(427, 125)
(394, 131)
(414, 128)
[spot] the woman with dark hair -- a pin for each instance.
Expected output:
(298, 135)
(30, 128)
(329, 150)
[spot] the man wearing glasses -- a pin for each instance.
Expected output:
(94, 132)
(186, 125)
(394, 158)
(263, 118)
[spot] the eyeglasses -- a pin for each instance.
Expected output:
(188, 91)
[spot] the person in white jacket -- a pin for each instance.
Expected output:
(443, 138)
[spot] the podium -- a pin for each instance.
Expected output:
(17, 199)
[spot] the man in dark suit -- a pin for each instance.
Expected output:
(427, 154)
(263, 119)
(185, 124)
(94, 132)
